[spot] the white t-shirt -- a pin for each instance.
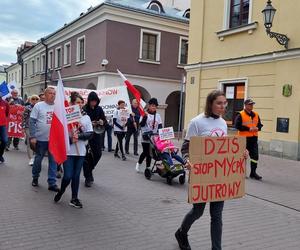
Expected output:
(206, 126)
(122, 116)
(43, 113)
(151, 125)
(86, 126)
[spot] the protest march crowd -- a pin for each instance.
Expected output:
(38, 120)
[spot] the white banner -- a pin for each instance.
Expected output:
(109, 97)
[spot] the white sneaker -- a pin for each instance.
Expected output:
(31, 162)
(137, 167)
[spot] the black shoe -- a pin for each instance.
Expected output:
(88, 184)
(127, 152)
(6, 149)
(75, 203)
(35, 182)
(255, 176)
(58, 196)
(123, 158)
(136, 154)
(117, 156)
(17, 148)
(110, 150)
(54, 188)
(182, 240)
(1, 159)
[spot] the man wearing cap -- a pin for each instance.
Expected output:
(248, 124)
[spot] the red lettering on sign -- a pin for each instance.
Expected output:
(209, 146)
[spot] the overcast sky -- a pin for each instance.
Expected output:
(30, 20)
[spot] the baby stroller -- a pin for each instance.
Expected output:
(161, 166)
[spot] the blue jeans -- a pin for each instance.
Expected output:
(168, 157)
(72, 169)
(41, 149)
(3, 139)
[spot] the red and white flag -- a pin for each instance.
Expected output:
(59, 143)
(135, 92)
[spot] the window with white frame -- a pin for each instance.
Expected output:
(150, 45)
(58, 57)
(16, 76)
(37, 64)
(32, 67)
(183, 50)
(43, 62)
(80, 57)
(67, 53)
(19, 76)
(50, 59)
(239, 13)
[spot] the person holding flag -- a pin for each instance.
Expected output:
(80, 132)
(39, 128)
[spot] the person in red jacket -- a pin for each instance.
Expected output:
(4, 111)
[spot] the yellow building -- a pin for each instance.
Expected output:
(230, 49)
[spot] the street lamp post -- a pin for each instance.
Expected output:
(268, 14)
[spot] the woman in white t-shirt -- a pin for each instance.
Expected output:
(79, 134)
(120, 121)
(150, 123)
(209, 123)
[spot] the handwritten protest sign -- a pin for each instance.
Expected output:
(166, 133)
(124, 115)
(218, 168)
(14, 123)
(73, 114)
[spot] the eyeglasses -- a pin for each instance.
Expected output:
(34, 99)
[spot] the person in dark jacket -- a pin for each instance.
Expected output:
(133, 128)
(94, 150)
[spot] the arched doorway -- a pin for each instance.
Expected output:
(172, 111)
(144, 93)
(91, 86)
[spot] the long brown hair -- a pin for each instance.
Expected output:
(209, 101)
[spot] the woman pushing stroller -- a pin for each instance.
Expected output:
(150, 123)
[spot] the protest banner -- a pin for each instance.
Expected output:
(166, 133)
(218, 168)
(73, 114)
(109, 97)
(14, 122)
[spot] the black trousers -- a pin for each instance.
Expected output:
(128, 135)
(216, 223)
(120, 136)
(93, 155)
(252, 147)
(14, 140)
(145, 154)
